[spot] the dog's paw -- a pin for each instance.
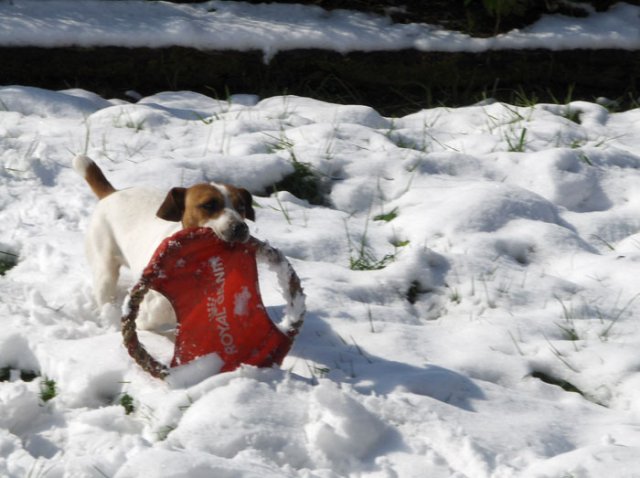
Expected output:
(109, 316)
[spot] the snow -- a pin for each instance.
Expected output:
(501, 247)
(221, 25)
(504, 244)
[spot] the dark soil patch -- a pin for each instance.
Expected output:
(393, 82)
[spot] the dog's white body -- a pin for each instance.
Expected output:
(128, 225)
(124, 231)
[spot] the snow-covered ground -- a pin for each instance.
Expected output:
(221, 25)
(507, 242)
(502, 243)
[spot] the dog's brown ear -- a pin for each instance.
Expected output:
(172, 207)
(249, 213)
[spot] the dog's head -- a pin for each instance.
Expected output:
(221, 207)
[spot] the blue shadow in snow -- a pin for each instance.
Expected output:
(369, 373)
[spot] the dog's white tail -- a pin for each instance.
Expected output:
(90, 171)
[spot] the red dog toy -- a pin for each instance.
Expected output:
(213, 288)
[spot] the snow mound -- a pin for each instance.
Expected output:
(37, 102)
(470, 273)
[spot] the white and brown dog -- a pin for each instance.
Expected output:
(128, 225)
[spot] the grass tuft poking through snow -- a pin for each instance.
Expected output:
(48, 389)
(302, 183)
(127, 403)
(7, 261)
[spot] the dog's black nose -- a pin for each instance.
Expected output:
(240, 231)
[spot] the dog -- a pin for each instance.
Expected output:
(128, 225)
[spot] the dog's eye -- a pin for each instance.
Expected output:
(210, 206)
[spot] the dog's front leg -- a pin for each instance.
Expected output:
(105, 280)
(105, 260)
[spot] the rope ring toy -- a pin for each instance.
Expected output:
(213, 288)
